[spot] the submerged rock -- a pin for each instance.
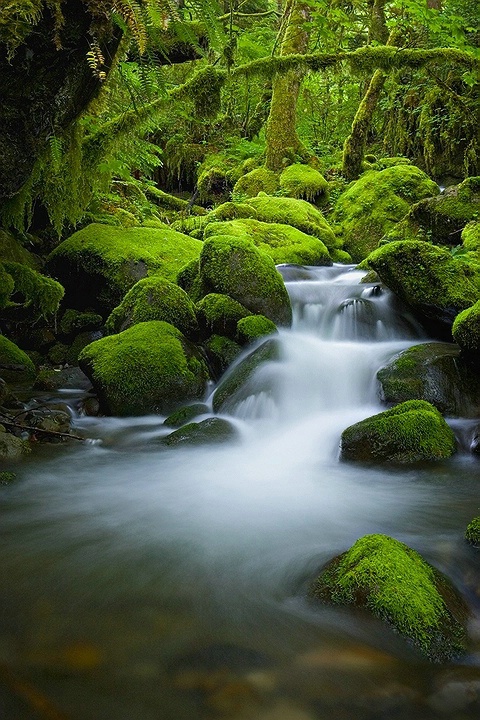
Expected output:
(397, 585)
(185, 414)
(212, 430)
(411, 432)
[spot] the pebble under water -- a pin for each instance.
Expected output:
(154, 583)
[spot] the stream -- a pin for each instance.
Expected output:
(141, 582)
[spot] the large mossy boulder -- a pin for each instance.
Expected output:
(434, 372)
(372, 205)
(100, 263)
(394, 583)
(253, 328)
(15, 365)
(219, 314)
(149, 368)
(466, 332)
(234, 266)
(284, 244)
(256, 181)
(304, 183)
(155, 298)
(212, 431)
(434, 284)
(411, 432)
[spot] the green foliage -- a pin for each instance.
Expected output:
(472, 533)
(15, 364)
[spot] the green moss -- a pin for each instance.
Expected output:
(154, 298)
(398, 586)
(185, 415)
(254, 327)
(472, 533)
(212, 430)
(298, 213)
(340, 256)
(304, 182)
(41, 294)
(471, 236)
(73, 322)
(388, 162)
(192, 225)
(213, 183)
(466, 330)
(6, 478)
(219, 314)
(15, 365)
(13, 251)
(371, 206)
(235, 267)
(150, 367)
(221, 352)
(99, 264)
(12, 448)
(254, 182)
(411, 432)
(283, 243)
(231, 211)
(6, 286)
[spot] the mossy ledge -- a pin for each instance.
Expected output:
(397, 585)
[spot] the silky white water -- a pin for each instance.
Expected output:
(221, 541)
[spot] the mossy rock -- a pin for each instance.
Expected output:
(219, 314)
(155, 298)
(213, 182)
(100, 263)
(466, 331)
(371, 206)
(185, 415)
(192, 225)
(6, 287)
(252, 328)
(434, 284)
(149, 368)
(236, 384)
(11, 250)
(210, 431)
(221, 352)
(7, 478)
(472, 533)
(38, 294)
(234, 266)
(256, 181)
(299, 214)
(304, 183)
(395, 584)
(471, 236)
(340, 256)
(189, 280)
(284, 244)
(231, 211)
(74, 322)
(413, 431)
(387, 162)
(434, 372)
(12, 448)
(15, 365)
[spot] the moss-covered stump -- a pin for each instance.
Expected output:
(434, 372)
(15, 365)
(235, 267)
(252, 328)
(304, 183)
(466, 331)
(372, 205)
(209, 431)
(100, 263)
(185, 415)
(150, 367)
(12, 448)
(284, 244)
(155, 298)
(411, 432)
(256, 181)
(297, 213)
(434, 284)
(472, 533)
(236, 385)
(221, 352)
(219, 314)
(397, 585)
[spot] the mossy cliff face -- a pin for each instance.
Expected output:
(435, 285)
(15, 365)
(148, 368)
(97, 265)
(284, 244)
(372, 205)
(466, 332)
(397, 585)
(411, 432)
(154, 298)
(234, 266)
(304, 183)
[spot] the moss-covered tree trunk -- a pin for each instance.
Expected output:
(281, 134)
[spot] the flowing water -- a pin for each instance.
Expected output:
(152, 583)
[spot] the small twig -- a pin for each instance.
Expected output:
(34, 430)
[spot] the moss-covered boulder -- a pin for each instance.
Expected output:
(210, 431)
(15, 365)
(434, 284)
(149, 368)
(231, 211)
(39, 295)
(284, 244)
(256, 181)
(12, 250)
(472, 533)
(155, 298)
(372, 205)
(219, 314)
(304, 183)
(221, 352)
(434, 372)
(252, 328)
(185, 415)
(73, 322)
(411, 432)
(100, 263)
(6, 287)
(234, 266)
(397, 585)
(466, 331)
(12, 448)
(297, 213)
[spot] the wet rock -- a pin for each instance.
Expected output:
(74, 322)
(12, 448)
(71, 378)
(458, 691)
(90, 407)
(212, 430)
(186, 415)
(221, 352)
(46, 419)
(475, 444)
